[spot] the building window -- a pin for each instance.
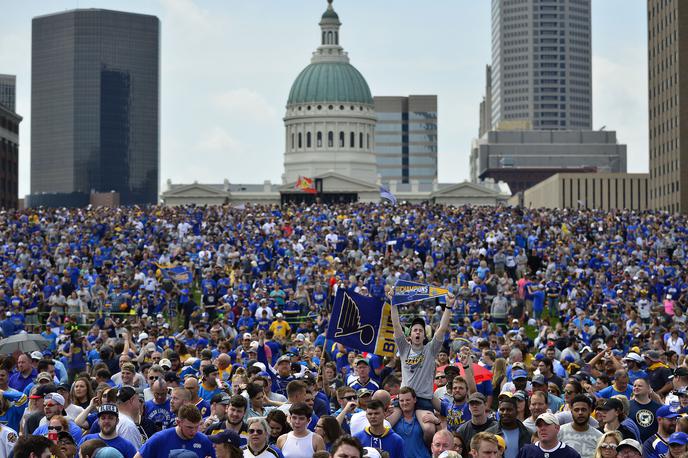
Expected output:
(329, 38)
(360, 140)
(341, 139)
(318, 140)
(368, 141)
(330, 139)
(308, 140)
(352, 140)
(300, 142)
(292, 141)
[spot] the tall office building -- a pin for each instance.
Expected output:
(541, 65)
(668, 104)
(406, 138)
(95, 97)
(8, 92)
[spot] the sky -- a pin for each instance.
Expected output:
(227, 67)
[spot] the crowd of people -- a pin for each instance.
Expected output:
(563, 334)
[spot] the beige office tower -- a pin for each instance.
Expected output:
(668, 104)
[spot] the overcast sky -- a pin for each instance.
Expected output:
(227, 66)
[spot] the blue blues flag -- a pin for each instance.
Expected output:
(362, 322)
(387, 195)
(408, 291)
(179, 274)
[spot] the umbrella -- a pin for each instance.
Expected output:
(25, 343)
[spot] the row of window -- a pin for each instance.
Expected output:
(297, 139)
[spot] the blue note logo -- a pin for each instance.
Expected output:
(349, 322)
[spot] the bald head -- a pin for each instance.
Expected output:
(223, 361)
(382, 396)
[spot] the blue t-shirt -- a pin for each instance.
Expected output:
(412, 435)
(456, 414)
(655, 447)
(125, 447)
(511, 439)
(534, 451)
(161, 443)
(160, 414)
(610, 391)
(74, 430)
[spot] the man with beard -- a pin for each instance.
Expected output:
(579, 434)
(457, 412)
(510, 427)
(108, 417)
(657, 445)
(234, 420)
(477, 404)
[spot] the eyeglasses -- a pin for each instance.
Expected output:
(437, 377)
(255, 431)
(350, 398)
(569, 392)
(55, 428)
(153, 378)
(608, 446)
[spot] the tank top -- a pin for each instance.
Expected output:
(298, 447)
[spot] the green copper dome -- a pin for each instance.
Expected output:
(330, 82)
(330, 14)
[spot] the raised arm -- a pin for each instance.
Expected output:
(396, 322)
(446, 317)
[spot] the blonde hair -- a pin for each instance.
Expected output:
(615, 434)
(498, 370)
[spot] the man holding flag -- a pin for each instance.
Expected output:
(418, 363)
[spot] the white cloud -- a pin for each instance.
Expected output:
(245, 103)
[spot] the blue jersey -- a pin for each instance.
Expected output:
(13, 415)
(161, 443)
(655, 447)
(125, 447)
(388, 441)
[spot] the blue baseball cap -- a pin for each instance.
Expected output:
(678, 438)
(519, 374)
(667, 412)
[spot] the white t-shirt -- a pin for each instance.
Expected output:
(127, 429)
(359, 421)
(8, 437)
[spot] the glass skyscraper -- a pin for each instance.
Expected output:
(406, 138)
(541, 65)
(95, 97)
(8, 92)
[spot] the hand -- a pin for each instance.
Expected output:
(351, 407)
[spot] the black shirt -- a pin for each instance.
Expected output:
(534, 451)
(468, 430)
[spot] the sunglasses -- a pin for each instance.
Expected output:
(437, 377)
(608, 446)
(349, 398)
(49, 405)
(255, 431)
(569, 392)
(153, 378)
(55, 428)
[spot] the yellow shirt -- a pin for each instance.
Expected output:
(280, 328)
